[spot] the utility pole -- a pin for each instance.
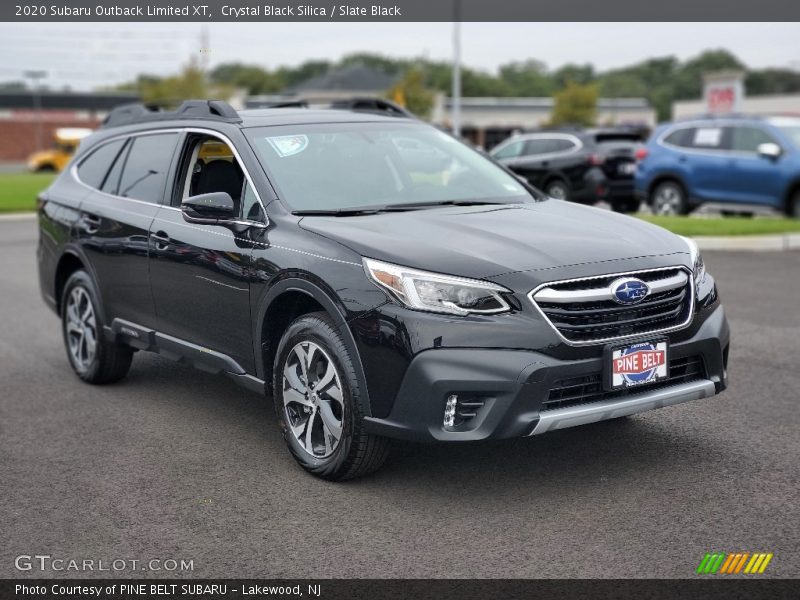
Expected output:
(456, 94)
(36, 93)
(205, 48)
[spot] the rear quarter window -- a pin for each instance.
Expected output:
(93, 169)
(681, 137)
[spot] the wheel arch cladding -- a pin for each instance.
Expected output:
(67, 265)
(664, 178)
(284, 302)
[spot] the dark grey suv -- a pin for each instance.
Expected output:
(372, 275)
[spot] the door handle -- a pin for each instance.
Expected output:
(91, 223)
(161, 240)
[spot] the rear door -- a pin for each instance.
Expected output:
(550, 154)
(708, 162)
(126, 177)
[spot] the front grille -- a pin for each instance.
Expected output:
(583, 311)
(589, 388)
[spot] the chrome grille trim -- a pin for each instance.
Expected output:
(548, 294)
(667, 284)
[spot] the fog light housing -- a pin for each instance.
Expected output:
(461, 411)
(450, 411)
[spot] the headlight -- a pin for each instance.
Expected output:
(437, 293)
(698, 266)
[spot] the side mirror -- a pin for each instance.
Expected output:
(209, 209)
(769, 150)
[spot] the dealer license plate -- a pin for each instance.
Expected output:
(637, 364)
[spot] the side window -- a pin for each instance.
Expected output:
(538, 146)
(681, 137)
(92, 170)
(146, 167)
(212, 167)
(707, 138)
(562, 145)
(748, 139)
(111, 183)
(511, 151)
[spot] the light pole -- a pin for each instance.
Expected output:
(35, 77)
(456, 99)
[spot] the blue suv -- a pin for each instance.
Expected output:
(739, 161)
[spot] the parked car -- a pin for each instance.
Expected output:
(311, 258)
(740, 162)
(581, 166)
(65, 141)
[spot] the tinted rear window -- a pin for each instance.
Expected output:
(146, 167)
(681, 137)
(92, 170)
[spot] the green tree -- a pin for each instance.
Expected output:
(576, 104)
(168, 92)
(256, 80)
(412, 93)
(527, 78)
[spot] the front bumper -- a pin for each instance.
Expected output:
(513, 384)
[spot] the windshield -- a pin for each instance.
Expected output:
(793, 133)
(334, 166)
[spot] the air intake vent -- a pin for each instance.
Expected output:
(589, 388)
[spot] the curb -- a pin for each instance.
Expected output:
(22, 216)
(751, 243)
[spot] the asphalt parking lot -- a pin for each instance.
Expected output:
(175, 463)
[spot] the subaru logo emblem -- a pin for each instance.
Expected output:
(629, 290)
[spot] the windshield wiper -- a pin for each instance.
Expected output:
(336, 212)
(416, 205)
(376, 209)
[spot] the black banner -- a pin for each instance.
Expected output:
(396, 10)
(718, 588)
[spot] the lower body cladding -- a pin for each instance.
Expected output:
(451, 394)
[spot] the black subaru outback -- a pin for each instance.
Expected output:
(374, 276)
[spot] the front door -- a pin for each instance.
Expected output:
(199, 274)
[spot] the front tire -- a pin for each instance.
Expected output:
(317, 400)
(557, 189)
(93, 359)
(793, 209)
(669, 198)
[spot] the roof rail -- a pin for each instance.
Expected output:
(371, 104)
(728, 116)
(127, 114)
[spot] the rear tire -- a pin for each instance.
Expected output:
(92, 357)
(318, 402)
(669, 198)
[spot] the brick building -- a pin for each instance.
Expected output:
(28, 121)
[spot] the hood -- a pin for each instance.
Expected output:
(488, 241)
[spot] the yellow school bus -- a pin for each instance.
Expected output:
(66, 140)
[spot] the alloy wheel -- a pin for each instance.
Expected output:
(81, 325)
(667, 201)
(557, 191)
(313, 399)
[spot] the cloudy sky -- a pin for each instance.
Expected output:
(85, 56)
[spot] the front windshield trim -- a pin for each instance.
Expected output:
(518, 191)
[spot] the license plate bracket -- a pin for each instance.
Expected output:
(637, 363)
